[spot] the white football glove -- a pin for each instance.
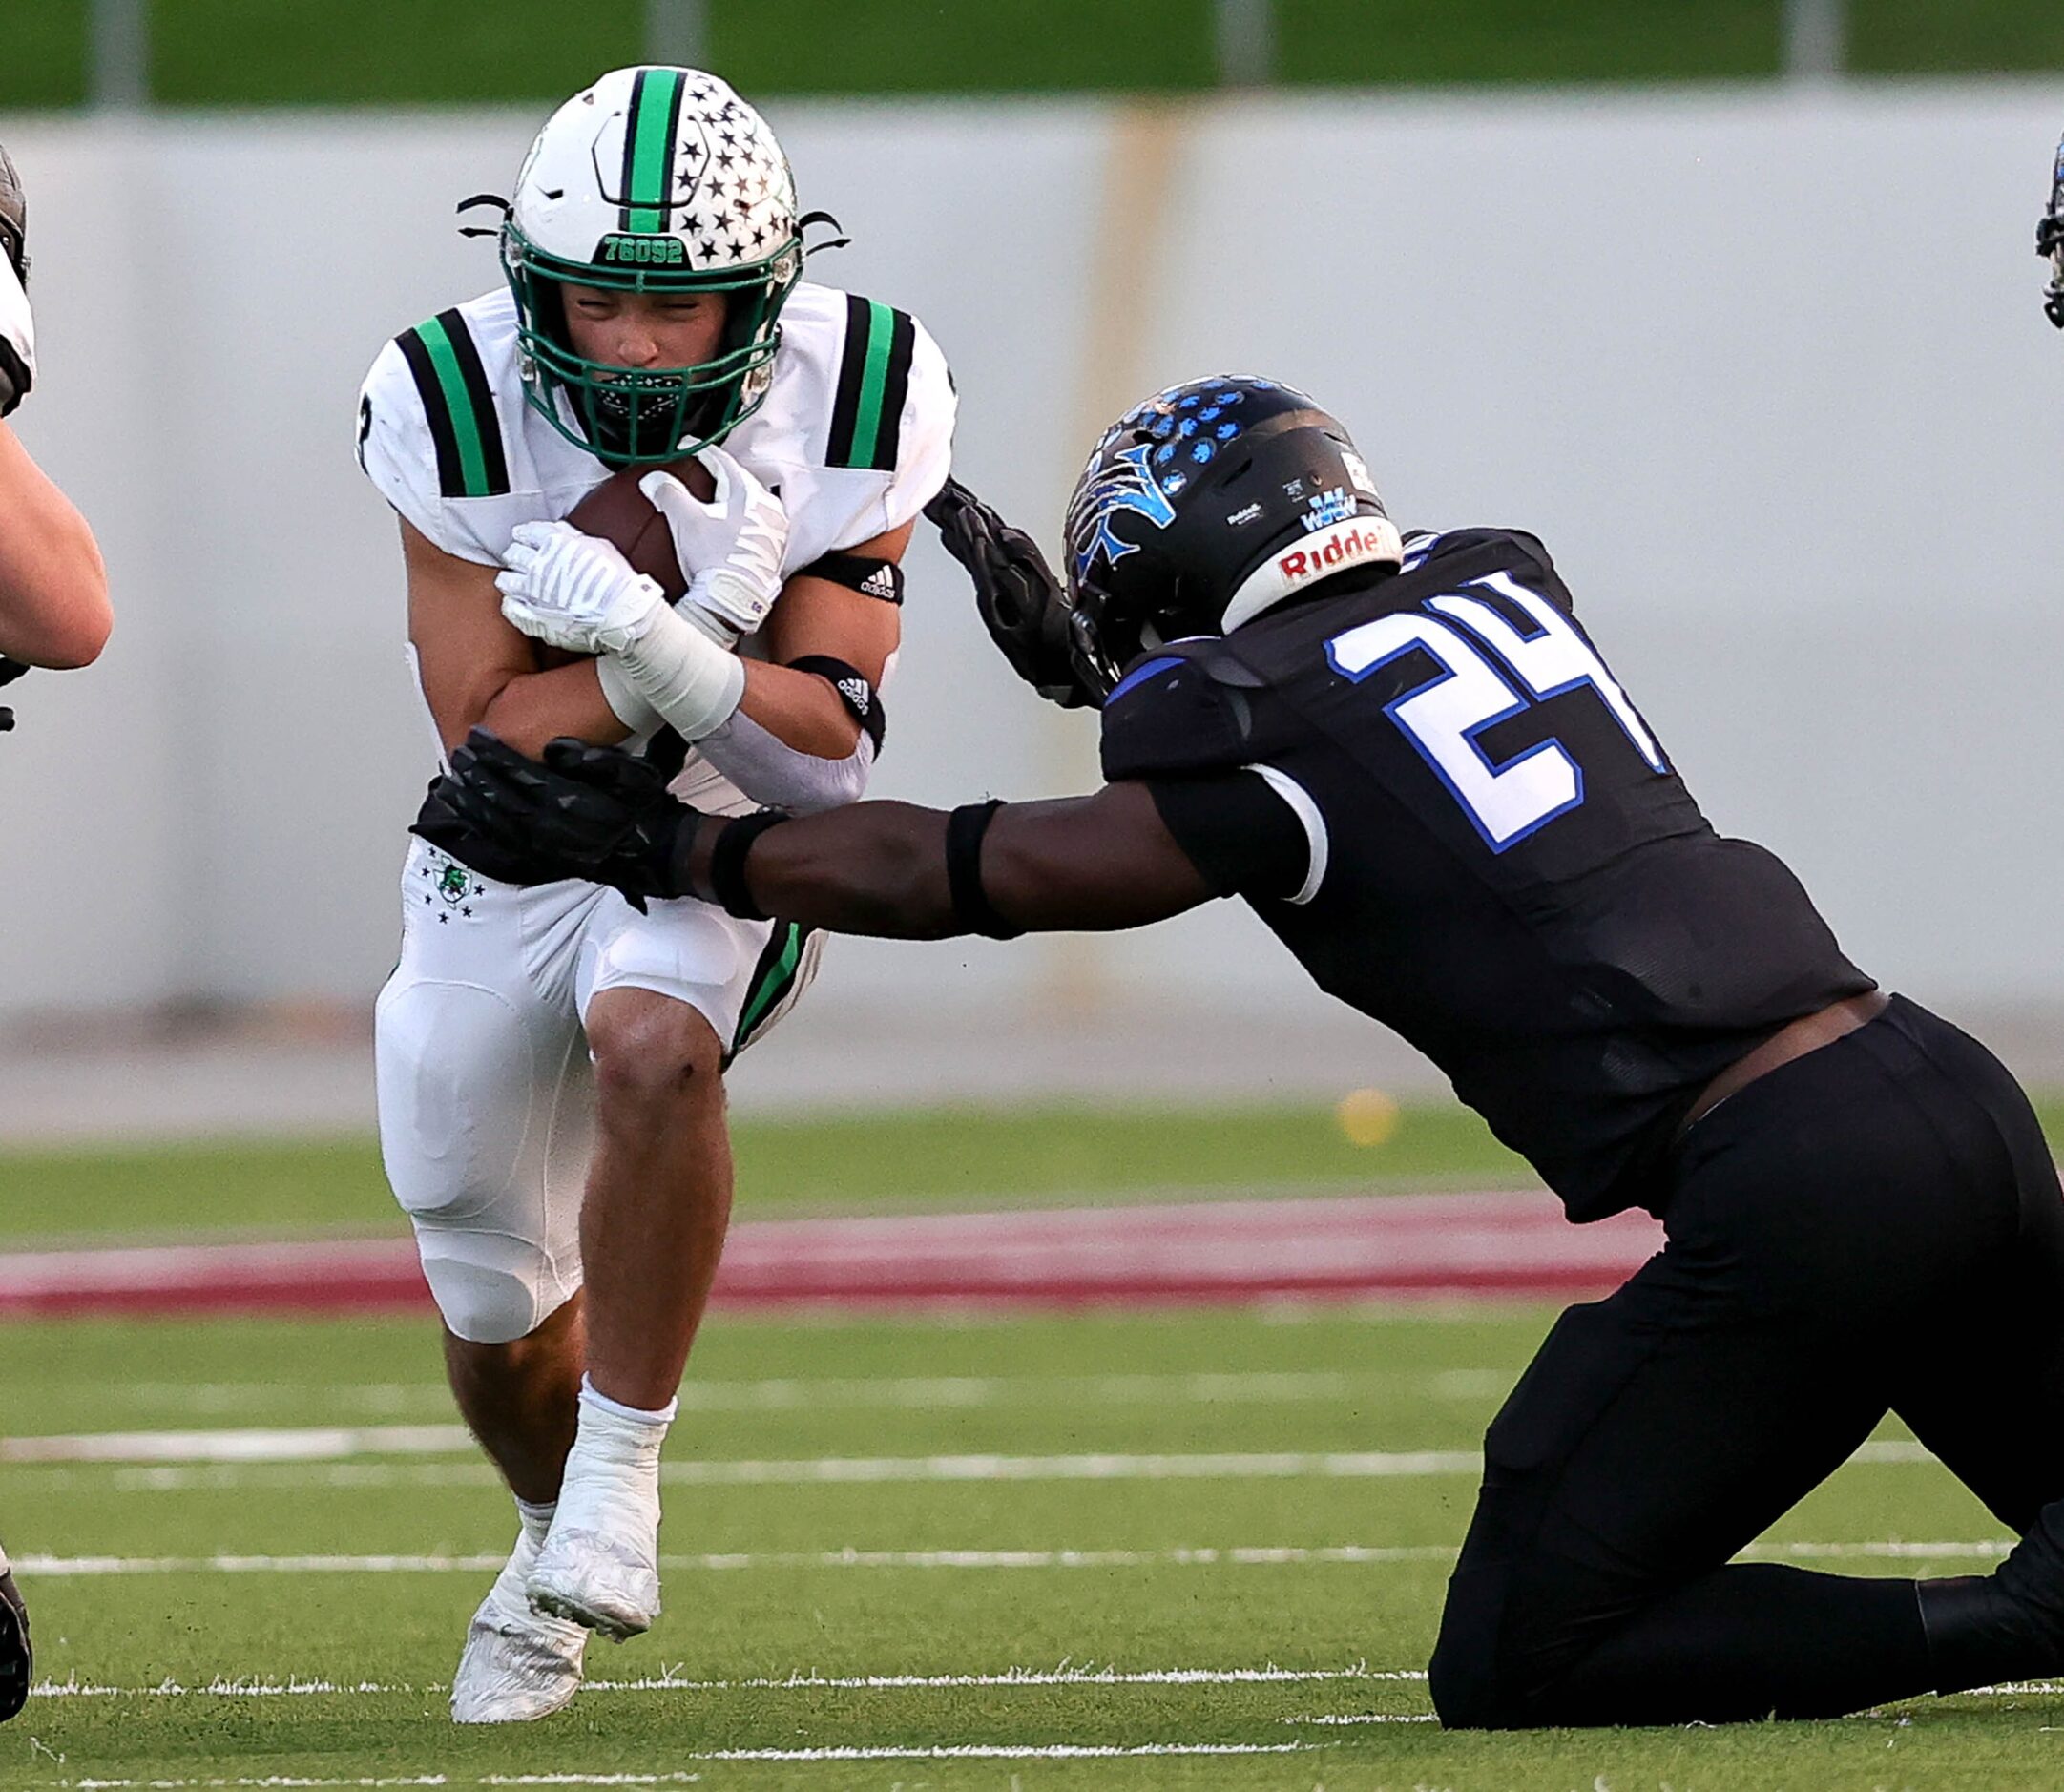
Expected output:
(17, 339)
(575, 591)
(570, 590)
(730, 549)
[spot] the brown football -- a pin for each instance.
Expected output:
(618, 512)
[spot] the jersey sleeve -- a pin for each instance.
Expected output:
(1245, 832)
(1168, 717)
(892, 413)
(399, 450)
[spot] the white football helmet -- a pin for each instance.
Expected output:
(653, 178)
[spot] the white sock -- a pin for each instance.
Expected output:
(537, 1517)
(612, 1432)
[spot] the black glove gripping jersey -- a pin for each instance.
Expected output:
(1502, 865)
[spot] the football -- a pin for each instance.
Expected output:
(618, 512)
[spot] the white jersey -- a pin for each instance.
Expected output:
(855, 436)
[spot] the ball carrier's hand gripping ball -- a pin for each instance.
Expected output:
(1206, 505)
(654, 179)
(2049, 242)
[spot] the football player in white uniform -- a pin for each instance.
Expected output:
(53, 590)
(2049, 242)
(570, 1223)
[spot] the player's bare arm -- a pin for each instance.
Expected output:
(53, 590)
(479, 672)
(818, 620)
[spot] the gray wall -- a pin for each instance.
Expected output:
(1766, 370)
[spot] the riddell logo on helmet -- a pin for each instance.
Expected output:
(1342, 547)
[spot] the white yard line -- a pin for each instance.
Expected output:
(670, 1681)
(800, 1394)
(327, 1456)
(964, 1751)
(96, 1566)
(1267, 1555)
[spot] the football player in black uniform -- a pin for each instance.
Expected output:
(53, 592)
(1407, 757)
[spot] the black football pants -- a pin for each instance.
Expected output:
(1876, 1226)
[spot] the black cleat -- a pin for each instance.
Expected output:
(17, 1663)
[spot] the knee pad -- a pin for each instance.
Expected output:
(491, 1289)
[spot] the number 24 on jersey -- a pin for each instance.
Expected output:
(1470, 640)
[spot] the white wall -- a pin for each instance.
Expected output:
(1766, 371)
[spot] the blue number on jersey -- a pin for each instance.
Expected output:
(1443, 717)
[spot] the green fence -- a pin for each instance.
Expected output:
(242, 53)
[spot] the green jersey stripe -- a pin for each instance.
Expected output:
(874, 378)
(465, 427)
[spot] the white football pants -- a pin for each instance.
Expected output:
(484, 1087)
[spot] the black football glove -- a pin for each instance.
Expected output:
(1023, 604)
(589, 812)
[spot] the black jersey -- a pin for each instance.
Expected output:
(1498, 860)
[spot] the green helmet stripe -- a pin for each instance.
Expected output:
(649, 132)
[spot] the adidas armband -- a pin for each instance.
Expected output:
(868, 574)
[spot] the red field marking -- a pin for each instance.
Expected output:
(1512, 1246)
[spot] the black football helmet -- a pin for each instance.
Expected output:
(2049, 242)
(1203, 506)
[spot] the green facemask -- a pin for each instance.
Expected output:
(651, 415)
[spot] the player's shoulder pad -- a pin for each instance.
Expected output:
(1183, 710)
(892, 403)
(1472, 552)
(430, 429)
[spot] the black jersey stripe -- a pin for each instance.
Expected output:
(852, 371)
(486, 419)
(437, 410)
(874, 381)
(465, 427)
(895, 388)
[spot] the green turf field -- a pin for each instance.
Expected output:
(242, 53)
(947, 1159)
(1144, 1534)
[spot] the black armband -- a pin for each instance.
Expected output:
(868, 574)
(971, 906)
(728, 862)
(862, 700)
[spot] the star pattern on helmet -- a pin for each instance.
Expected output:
(731, 180)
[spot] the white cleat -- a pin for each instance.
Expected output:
(518, 1663)
(603, 1573)
(599, 1566)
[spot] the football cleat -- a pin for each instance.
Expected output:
(600, 1565)
(518, 1664)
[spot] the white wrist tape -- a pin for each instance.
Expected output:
(622, 697)
(682, 675)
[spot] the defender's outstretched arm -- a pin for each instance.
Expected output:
(1075, 864)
